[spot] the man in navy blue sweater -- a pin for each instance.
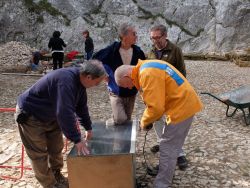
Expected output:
(52, 106)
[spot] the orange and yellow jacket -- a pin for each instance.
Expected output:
(164, 90)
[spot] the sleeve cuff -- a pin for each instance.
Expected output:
(77, 141)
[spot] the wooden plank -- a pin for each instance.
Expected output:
(116, 171)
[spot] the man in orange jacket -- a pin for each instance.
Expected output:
(165, 91)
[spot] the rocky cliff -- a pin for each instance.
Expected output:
(203, 26)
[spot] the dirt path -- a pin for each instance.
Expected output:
(217, 147)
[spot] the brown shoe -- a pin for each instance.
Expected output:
(62, 182)
(58, 185)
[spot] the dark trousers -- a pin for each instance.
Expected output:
(57, 59)
(89, 55)
(43, 144)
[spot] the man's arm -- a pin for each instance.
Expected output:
(63, 43)
(142, 55)
(105, 55)
(50, 43)
(180, 61)
(82, 111)
(65, 111)
(154, 97)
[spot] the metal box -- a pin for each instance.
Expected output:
(111, 163)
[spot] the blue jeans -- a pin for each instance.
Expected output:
(89, 55)
(34, 67)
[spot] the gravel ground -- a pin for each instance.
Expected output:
(217, 147)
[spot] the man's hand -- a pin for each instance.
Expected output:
(88, 135)
(147, 127)
(82, 148)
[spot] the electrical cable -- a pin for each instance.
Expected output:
(150, 170)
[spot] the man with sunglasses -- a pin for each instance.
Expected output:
(165, 50)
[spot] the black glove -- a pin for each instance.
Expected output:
(22, 117)
(148, 127)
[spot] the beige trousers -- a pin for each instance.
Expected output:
(122, 107)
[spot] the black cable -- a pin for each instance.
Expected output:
(150, 171)
(143, 148)
(138, 183)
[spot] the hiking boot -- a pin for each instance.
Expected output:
(59, 185)
(182, 162)
(62, 182)
(156, 167)
(155, 149)
(153, 171)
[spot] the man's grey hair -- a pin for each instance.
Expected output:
(159, 27)
(123, 29)
(94, 68)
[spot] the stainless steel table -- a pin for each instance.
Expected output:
(111, 163)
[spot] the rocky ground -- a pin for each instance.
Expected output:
(217, 147)
(15, 57)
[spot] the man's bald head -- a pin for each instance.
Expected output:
(123, 76)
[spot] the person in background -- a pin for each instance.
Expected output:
(89, 45)
(35, 59)
(175, 98)
(52, 106)
(165, 50)
(124, 52)
(57, 44)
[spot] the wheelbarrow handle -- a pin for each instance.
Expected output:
(210, 94)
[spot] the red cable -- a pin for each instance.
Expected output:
(22, 155)
(22, 168)
(7, 109)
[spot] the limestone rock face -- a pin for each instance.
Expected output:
(202, 26)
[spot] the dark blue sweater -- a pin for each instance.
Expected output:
(111, 58)
(59, 96)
